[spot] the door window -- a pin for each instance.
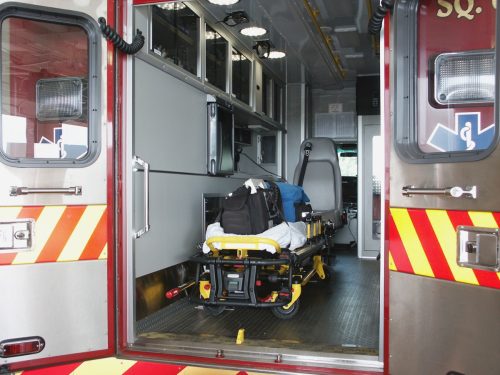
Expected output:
(452, 71)
(47, 96)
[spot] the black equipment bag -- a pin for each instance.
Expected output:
(245, 213)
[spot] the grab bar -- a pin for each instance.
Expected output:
(145, 229)
(454, 191)
(23, 190)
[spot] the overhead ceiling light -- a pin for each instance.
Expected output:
(253, 31)
(212, 35)
(238, 57)
(172, 6)
(223, 2)
(235, 18)
(276, 55)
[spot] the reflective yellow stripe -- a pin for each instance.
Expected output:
(81, 234)
(9, 213)
(392, 265)
(104, 252)
(447, 238)
(106, 366)
(411, 242)
(483, 219)
(44, 227)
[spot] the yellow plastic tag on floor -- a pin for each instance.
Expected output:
(241, 336)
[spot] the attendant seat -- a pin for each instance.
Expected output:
(322, 179)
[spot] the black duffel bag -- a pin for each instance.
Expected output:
(245, 213)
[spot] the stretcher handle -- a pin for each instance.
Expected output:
(147, 227)
(228, 242)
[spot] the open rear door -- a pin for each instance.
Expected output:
(55, 270)
(445, 206)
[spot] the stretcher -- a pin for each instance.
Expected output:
(249, 271)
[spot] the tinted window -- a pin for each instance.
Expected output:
(241, 76)
(175, 35)
(216, 62)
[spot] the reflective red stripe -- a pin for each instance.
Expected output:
(141, 368)
(97, 240)
(61, 233)
(397, 249)
(431, 245)
(55, 370)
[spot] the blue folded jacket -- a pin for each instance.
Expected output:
(290, 195)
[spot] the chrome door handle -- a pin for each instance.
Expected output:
(23, 190)
(454, 191)
(143, 164)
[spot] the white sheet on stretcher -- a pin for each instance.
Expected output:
(291, 235)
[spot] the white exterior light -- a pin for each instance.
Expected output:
(253, 31)
(276, 55)
(464, 78)
(223, 2)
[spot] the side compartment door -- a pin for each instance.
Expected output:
(55, 273)
(444, 202)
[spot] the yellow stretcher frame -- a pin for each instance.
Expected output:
(242, 244)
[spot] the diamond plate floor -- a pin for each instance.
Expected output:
(341, 315)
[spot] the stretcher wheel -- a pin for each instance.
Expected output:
(282, 313)
(214, 310)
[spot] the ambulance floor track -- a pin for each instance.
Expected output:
(341, 315)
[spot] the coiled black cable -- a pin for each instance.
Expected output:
(117, 40)
(375, 23)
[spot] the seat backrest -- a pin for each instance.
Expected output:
(322, 179)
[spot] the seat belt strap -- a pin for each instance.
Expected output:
(307, 152)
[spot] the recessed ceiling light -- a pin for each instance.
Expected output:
(172, 6)
(276, 55)
(212, 35)
(253, 31)
(223, 2)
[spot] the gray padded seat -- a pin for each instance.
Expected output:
(322, 180)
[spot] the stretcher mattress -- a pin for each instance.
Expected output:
(287, 235)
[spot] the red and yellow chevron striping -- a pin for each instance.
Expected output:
(61, 233)
(115, 366)
(424, 242)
